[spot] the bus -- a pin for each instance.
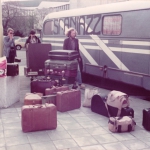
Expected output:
(114, 39)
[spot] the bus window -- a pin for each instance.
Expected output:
(48, 28)
(112, 25)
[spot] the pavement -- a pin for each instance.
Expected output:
(80, 129)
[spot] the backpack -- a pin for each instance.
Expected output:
(118, 100)
(121, 124)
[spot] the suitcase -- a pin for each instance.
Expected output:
(57, 66)
(63, 54)
(68, 80)
(68, 100)
(127, 111)
(38, 117)
(146, 118)
(98, 104)
(53, 90)
(32, 99)
(51, 99)
(39, 86)
(12, 69)
(36, 55)
(40, 94)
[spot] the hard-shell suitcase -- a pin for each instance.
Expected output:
(68, 80)
(68, 100)
(51, 99)
(98, 104)
(146, 118)
(32, 99)
(39, 117)
(53, 90)
(36, 55)
(57, 66)
(40, 94)
(127, 111)
(63, 54)
(39, 86)
(12, 69)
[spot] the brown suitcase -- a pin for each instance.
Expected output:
(32, 99)
(51, 99)
(52, 90)
(68, 100)
(40, 94)
(39, 117)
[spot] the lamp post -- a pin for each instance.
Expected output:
(1, 30)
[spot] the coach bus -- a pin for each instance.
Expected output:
(114, 39)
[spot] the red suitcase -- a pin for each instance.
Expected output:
(32, 99)
(39, 117)
(52, 90)
(68, 100)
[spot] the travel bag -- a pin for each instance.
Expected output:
(68, 100)
(32, 99)
(12, 69)
(63, 54)
(98, 104)
(39, 85)
(146, 119)
(3, 66)
(121, 124)
(127, 111)
(53, 90)
(38, 117)
(117, 100)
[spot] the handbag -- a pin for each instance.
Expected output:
(89, 93)
(121, 124)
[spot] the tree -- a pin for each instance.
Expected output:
(15, 17)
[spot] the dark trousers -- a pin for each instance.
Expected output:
(11, 58)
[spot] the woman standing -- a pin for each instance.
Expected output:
(9, 49)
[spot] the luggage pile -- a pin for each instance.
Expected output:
(115, 106)
(62, 64)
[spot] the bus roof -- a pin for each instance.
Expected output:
(106, 8)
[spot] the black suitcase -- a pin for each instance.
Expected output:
(36, 55)
(63, 54)
(39, 86)
(61, 64)
(146, 118)
(127, 111)
(98, 104)
(12, 69)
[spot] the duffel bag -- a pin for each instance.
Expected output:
(117, 99)
(121, 124)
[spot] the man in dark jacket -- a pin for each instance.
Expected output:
(71, 43)
(32, 38)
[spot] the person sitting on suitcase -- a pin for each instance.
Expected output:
(71, 43)
(32, 38)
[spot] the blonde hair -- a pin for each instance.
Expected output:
(10, 29)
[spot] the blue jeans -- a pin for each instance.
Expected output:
(79, 78)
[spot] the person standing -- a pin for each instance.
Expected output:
(32, 38)
(9, 49)
(71, 43)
